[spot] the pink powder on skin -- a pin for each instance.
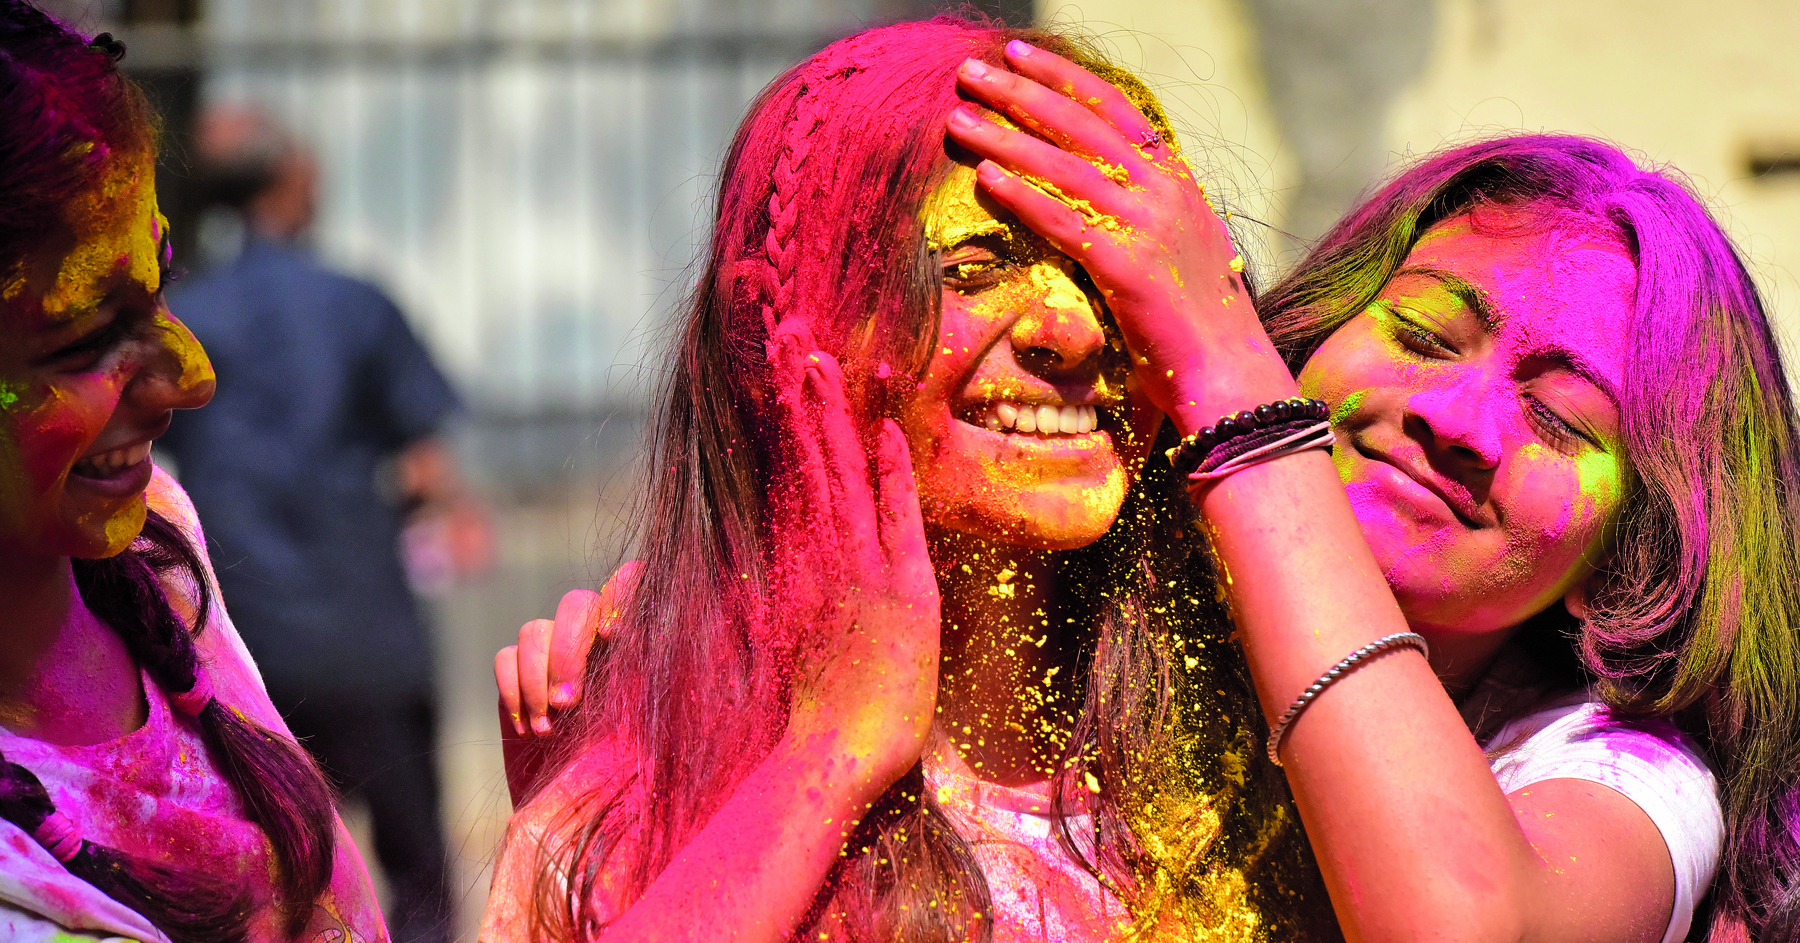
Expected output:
(1483, 453)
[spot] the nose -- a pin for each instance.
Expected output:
(1458, 423)
(1059, 331)
(177, 373)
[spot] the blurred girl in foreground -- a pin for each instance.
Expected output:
(148, 789)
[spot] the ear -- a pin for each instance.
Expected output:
(1576, 599)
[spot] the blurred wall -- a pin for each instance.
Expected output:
(1317, 97)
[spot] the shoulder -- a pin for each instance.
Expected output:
(1580, 732)
(543, 834)
(1649, 761)
(233, 671)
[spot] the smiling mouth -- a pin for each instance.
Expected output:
(1039, 420)
(1463, 512)
(109, 464)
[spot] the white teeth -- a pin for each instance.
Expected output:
(107, 464)
(1042, 420)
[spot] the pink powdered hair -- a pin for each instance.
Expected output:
(1697, 614)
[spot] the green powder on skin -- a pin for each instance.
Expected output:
(1348, 407)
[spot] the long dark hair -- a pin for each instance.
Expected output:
(67, 112)
(1696, 614)
(818, 219)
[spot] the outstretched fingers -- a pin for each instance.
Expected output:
(852, 494)
(804, 488)
(1090, 92)
(1090, 239)
(1067, 112)
(580, 620)
(1099, 189)
(506, 679)
(902, 529)
(521, 675)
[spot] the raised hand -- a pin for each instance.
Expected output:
(854, 591)
(541, 676)
(1097, 180)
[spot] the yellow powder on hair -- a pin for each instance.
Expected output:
(127, 193)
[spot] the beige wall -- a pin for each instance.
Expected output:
(1698, 85)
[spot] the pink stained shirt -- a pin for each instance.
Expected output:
(158, 793)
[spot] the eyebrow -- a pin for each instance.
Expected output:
(1573, 362)
(1465, 291)
(1491, 318)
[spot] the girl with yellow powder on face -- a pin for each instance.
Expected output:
(1537, 678)
(148, 789)
(916, 649)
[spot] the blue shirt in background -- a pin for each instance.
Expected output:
(319, 381)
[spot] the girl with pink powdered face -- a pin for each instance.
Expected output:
(1535, 678)
(148, 789)
(1562, 461)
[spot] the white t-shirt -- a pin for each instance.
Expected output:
(1038, 893)
(1649, 762)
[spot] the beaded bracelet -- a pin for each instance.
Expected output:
(1349, 664)
(1261, 446)
(1266, 423)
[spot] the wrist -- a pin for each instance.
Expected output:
(847, 777)
(1201, 396)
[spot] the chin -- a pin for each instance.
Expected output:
(98, 537)
(1061, 515)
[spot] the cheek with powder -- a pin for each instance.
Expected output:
(1570, 498)
(37, 445)
(51, 437)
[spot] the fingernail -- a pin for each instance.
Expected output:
(961, 120)
(989, 172)
(541, 724)
(1020, 48)
(562, 695)
(975, 68)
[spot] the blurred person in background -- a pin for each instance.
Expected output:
(323, 447)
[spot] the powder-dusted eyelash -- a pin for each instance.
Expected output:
(990, 272)
(114, 331)
(1559, 425)
(1423, 336)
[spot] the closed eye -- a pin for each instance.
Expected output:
(1417, 337)
(84, 352)
(972, 268)
(1559, 432)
